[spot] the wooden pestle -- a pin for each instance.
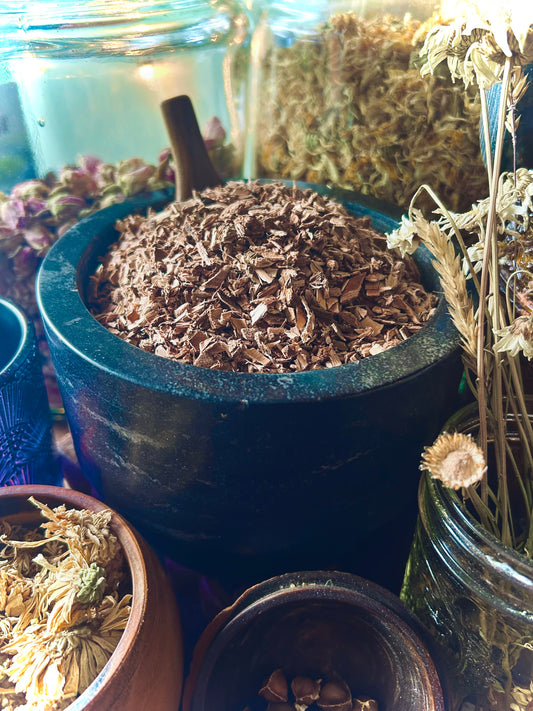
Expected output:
(192, 166)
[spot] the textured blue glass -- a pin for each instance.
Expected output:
(26, 455)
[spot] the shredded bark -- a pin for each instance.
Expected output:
(258, 277)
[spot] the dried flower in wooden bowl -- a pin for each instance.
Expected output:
(62, 608)
(84, 605)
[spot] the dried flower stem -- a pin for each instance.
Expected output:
(486, 134)
(491, 264)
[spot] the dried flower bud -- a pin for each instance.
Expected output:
(38, 237)
(335, 696)
(91, 584)
(30, 189)
(275, 688)
(12, 213)
(78, 182)
(365, 703)
(63, 206)
(305, 691)
(106, 173)
(214, 134)
(24, 262)
(137, 180)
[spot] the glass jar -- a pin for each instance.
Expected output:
(337, 97)
(90, 76)
(475, 597)
(81, 127)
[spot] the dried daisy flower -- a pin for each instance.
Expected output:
(517, 337)
(61, 612)
(455, 460)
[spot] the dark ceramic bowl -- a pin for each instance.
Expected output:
(249, 474)
(316, 624)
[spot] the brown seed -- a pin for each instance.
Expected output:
(335, 696)
(365, 703)
(305, 691)
(275, 688)
(280, 707)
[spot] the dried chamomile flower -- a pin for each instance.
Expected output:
(60, 616)
(455, 459)
(517, 337)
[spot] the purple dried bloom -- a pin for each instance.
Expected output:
(64, 206)
(130, 165)
(91, 164)
(24, 262)
(12, 213)
(35, 205)
(38, 237)
(136, 180)
(30, 189)
(165, 171)
(105, 174)
(214, 134)
(78, 182)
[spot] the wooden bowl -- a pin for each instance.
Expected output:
(146, 669)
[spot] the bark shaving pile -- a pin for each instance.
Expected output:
(257, 277)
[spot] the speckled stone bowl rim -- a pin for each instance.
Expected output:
(25, 342)
(65, 315)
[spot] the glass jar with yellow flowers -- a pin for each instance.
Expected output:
(337, 97)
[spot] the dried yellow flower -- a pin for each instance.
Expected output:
(61, 616)
(454, 459)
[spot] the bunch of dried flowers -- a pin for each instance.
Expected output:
(61, 609)
(488, 249)
(484, 47)
(348, 107)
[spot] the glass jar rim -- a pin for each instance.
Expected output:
(133, 27)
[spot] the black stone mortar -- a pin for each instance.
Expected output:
(248, 475)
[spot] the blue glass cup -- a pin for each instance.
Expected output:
(26, 454)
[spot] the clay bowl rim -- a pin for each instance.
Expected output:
(25, 342)
(346, 588)
(65, 314)
(134, 558)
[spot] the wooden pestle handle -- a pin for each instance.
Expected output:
(192, 165)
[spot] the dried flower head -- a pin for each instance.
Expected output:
(61, 615)
(454, 459)
(404, 238)
(477, 43)
(517, 337)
